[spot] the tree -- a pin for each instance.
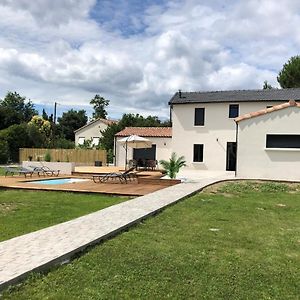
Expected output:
(289, 76)
(15, 110)
(267, 86)
(128, 120)
(43, 127)
(71, 121)
(173, 165)
(99, 104)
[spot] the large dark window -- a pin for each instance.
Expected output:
(233, 110)
(199, 116)
(283, 141)
(198, 153)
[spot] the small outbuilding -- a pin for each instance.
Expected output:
(268, 143)
(92, 131)
(160, 137)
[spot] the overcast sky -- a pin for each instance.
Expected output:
(138, 53)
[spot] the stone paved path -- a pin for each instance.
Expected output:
(46, 247)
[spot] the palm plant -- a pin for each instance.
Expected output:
(173, 165)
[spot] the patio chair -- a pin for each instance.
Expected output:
(122, 177)
(17, 170)
(48, 171)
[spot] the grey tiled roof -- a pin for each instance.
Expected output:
(236, 96)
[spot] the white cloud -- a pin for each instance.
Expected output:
(54, 50)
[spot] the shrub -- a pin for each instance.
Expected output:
(48, 156)
(4, 152)
(173, 165)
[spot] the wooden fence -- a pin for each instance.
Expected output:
(78, 156)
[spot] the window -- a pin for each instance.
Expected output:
(199, 116)
(198, 153)
(81, 140)
(233, 110)
(283, 141)
(269, 106)
(95, 141)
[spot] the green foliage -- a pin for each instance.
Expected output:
(267, 86)
(250, 186)
(289, 76)
(99, 104)
(47, 156)
(70, 121)
(87, 144)
(15, 110)
(174, 164)
(16, 137)
(62, 143)
(4, 151)
(110, 156)
(128, 120)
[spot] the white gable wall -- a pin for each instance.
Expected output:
(90, 131)
(254, 160)
(214, 135)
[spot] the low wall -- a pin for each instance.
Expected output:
(65, 168)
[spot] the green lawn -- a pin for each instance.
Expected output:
(26, 211)
(179, 254)
(2, 172)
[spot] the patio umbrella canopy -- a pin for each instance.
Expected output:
(136, 142)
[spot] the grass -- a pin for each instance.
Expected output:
(232, 241)
(2, 171)
(26, 211)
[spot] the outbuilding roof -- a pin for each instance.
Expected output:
(146, 131)
(236, 96)
(105, 121)
(267, 110)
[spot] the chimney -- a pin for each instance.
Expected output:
(179, 92)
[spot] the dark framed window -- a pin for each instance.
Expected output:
(199, 116)
(233, 110)
(269, 106)
(198, 153)
(283, 141)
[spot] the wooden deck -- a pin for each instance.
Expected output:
(132, 188)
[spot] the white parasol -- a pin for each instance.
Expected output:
(136, 142)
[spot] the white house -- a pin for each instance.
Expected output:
(204, 130)
(91, 131)
(269, 143)
(161, 138)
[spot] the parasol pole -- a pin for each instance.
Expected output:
(126, 154)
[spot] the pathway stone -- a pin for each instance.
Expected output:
(44, 248)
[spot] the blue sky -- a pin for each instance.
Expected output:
(139, 53)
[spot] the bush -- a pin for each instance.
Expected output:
(47, 156)
(4, 152)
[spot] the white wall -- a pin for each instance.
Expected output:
(90, 131)
(254, 160)
(216, 132)
(163, 149)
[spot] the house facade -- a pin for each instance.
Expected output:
(91, 131)
(161, 138)
(269, 143)
(204, 128)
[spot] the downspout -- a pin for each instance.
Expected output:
(115, 152)
(170, 112)
(236, 142)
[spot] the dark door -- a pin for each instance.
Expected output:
(231, 156)
(145, 153)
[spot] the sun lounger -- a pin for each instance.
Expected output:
(47, 171)
(17, 170)
(122, 177)
(43, 171)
